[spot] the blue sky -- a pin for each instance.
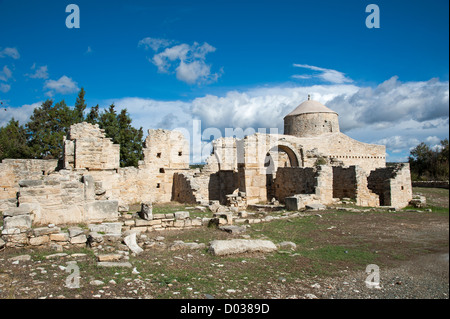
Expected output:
(235, 63)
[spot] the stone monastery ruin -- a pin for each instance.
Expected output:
(311, 163)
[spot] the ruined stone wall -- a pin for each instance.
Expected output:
(86, 147)
(335, 148)
(291, 181)
(65, 197)
(344, 182)
(185, 188)
(392, 184)
(14, 170)
(221, 184)
(165, 153)
(351, 182)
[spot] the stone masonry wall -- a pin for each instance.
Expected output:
(65, 197)
(392, 184)
(87, 148)
(14, 170)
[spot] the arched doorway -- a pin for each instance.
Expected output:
(281, 155)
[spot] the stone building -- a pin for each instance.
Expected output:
(313, 162)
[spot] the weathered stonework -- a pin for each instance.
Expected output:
(313, 164)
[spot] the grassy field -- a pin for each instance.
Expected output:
(329, 244)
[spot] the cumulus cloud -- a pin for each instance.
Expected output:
(327, 75)
(5, 74)
(393, 101)
(21, 114)
(64, 85)
(9, 52)
(188, 62)
(39, 73)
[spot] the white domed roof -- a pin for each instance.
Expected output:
(310, 106)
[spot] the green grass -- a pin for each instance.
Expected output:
(330, 253)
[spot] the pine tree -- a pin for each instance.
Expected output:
(80, 106)
(118, 127)
(13, 141)
(47, 126)
(109, 122)
(130, 140)
(93, 116)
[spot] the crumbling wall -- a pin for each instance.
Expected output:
(185, 188)
(165, 153)
(351, 182)
(392, 184)
(65, 197)
(86, 147)
(14, 170)
(222, 183)
(294, 180)
(316, 181)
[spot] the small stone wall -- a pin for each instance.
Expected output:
(14, 170)
(392, 184)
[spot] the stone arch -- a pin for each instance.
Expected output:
(295, 157)
(295, 160)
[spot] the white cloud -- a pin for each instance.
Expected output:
(21, 114)
(327, 75)
(64, 85)
(4, 87)
(154, 43)
(88, 51)
(5, 74)
(188, 62)
(10, 52)
(392, 102)
(39, 73)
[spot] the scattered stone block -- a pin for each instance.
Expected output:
(20, 258)
(109, 257)
(146, 211)
(114, 264)
(181, 215)
(239, 246)
(315, 206)
(130, 241)
(287, 245)
(56, 255)
(234, 230)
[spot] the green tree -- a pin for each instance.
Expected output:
(130, 140)
(110, 123)
(13, 141)
(430, 163)
(119, 129)
(47, 126)
(80, 106)
(93, 116)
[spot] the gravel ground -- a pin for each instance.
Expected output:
(425, 277)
